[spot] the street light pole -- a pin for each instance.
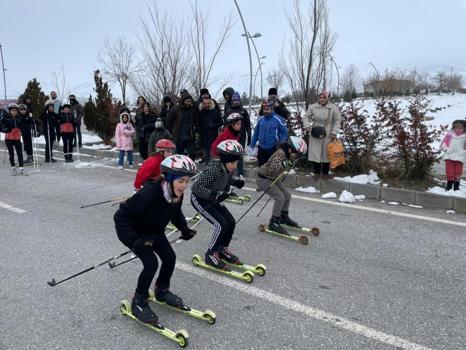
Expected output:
(338, 75)
(250, 58)
(258, 60)
(4, 70)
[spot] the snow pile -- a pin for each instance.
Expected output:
(309, 189)
(329, 195)
(97, 146)
(347, 197)
(371, 178)
(84, 165)
(360, 197)
(292, 172)
(442, 192)
(393, 203)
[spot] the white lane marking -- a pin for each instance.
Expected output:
(317, 314)
(376, 210)
(11, 208)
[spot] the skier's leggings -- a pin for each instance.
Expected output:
(13, 145)
(281, 196)
(67, 138)
(27, 140)
(219, 216)
(164, 250)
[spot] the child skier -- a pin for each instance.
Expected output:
(454, 145)
(140, 224)
(208, 192)
(67, 126)
(150, 169)
(269, 171)
(27, 125)
(12, 126)
(159, 133)
(231, 131)
(124, 132)
(49, 118)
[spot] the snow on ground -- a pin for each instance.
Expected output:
(329, 195)
(87, 138)
(309, 189)
(97, 146)
(371, 178)
(347, 197)
(84, 165)
(441, 190)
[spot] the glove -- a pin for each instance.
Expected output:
(239, 183)
(187, 234)
(220, 196)
(141, 243)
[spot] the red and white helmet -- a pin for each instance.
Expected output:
(164, 145)
(297, 144)
(178, 164)
(230, 148)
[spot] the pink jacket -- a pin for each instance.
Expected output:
(124, 136)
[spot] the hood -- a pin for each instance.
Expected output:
(228, 91)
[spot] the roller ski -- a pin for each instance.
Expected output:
(234, 198)
(140, 311)
(232, 260)
(215, 263)
(288, 223)
(275, 228)
(192, 219)
(178, 305)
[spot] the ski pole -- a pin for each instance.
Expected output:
(113, 265)
(53, 282)
(103, 202)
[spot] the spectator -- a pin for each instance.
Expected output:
(454, 145)
(28, 103)
(167, 104)
(278, 106)
(209, 120)
(205, 94)
(78, 112)
(124, 132)
(145, 124)
(57, 109)
(245, 135)
(270, 131)
(158, 134)
(227, 94)
(27, 124)
(67, 127)
(180, 123)
(322, 120)
(49, 119)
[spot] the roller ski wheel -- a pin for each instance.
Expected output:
(207, 315)
(236, 200)
(259, 269)
(301, 239)
(314, 230)
(247, 198)
(246, 276)
(180, 337)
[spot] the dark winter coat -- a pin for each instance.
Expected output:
(10, 124)
(228, 91)
(27, 124)
(214, 178)
(209, 121)
(164, 111)
(147, 213)
(78, 111)
(145, 124)
(279, 109)
(156, 136)
(48, 122)
(175, 117)
(245, 134)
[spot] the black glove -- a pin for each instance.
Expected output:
(141, 243)
(239, 182)
(220, 196)
(187, 234)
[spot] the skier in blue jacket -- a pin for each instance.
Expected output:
(270, 130)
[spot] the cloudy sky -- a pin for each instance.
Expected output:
(39, 37)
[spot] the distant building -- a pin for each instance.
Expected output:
(388, 86)
(5, 103)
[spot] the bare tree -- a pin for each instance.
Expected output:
(275, 77)
(166, 56)
(306, 64)
(117, 62)
(59, 81)
(350, 79)
(204, 61)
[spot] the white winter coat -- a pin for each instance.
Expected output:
(454, 148)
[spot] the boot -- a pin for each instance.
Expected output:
(28, 160)
(215, 260)
(165, 296)
(449, 185)
(21, 172)
(141, 309)
(228, 256)
(456, 186)
(14, 172)
(286, 220)
(274, 225)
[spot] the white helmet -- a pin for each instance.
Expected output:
(178, 164)
(230, 148)
(12, 106)
(297, 144)
(233, 118)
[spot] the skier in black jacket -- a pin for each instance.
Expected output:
(49, 119)
(140, 224)
(208, 192)
(27, 125)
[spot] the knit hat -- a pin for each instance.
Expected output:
(273, 91)
(236, 97)
(324, 93)
(185, 95)
(166, 99)
(204, 91)
(228, 91)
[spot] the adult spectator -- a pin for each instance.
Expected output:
(209, 120)
(205, 94)
(278, 106)
(180, 123)
(28, 103)
(167, 104)
(227, 93)
(158, 134)
(322, 120)
(270, 131)
(145, 124)
(78, 112)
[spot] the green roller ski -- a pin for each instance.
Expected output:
(301, 239)
(192, 219)
(315, 230)
(246, 276)
(256, 269)
(180, 337)
(207, 315)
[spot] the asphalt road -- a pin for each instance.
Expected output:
(371, 280)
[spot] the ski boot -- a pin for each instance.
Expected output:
(22, 172)
(275, 225)
(29, 160)
(167, 297)
(14, 172)
(449, 186)
(141, 309)
(214, 259)
(286, 220)
(228, 256)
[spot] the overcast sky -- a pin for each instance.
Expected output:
(40, 36)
